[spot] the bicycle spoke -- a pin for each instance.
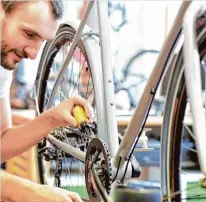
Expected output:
(190, 149)
(71, 74)
(188, 130)
(80, 67)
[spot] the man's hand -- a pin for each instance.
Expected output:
(14, 188)
(62, 114)
(18, 139)
(45, 193)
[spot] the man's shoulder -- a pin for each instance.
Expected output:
(5, 74)
(5, 82)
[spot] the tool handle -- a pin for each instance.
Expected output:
(79, 115)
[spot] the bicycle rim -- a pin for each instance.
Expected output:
(180, 172)
(77, 80)
(136, 74)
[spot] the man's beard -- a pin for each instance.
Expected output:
(4, 56)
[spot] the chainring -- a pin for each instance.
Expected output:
(97, 157)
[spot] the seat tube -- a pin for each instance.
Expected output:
(110, 107)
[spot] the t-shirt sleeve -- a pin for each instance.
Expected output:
(5, 82)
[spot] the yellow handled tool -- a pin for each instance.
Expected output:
(79, 115)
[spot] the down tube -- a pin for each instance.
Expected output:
(110, 107)
(141, 110)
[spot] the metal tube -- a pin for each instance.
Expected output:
(110, 107)
(68, 148)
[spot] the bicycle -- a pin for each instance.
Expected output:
(97, 145)
(119, 8)
(130, 78)
(133, 78)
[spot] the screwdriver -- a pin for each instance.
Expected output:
(80, 116)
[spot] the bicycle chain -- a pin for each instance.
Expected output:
(60, 133)
(58, 171)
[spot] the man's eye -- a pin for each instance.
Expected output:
(30, 35)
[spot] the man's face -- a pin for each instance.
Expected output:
(24, 30)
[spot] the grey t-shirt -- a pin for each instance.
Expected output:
(5, 82)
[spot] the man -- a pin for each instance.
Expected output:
(24, 26)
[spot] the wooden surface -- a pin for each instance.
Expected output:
(24, 165)
(151, 121)
(20, 116)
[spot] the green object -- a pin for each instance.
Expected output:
(195, 192)
(81, 190)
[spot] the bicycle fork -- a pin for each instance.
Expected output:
(193, 80)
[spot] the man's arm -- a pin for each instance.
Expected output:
(18, 119)
(14, 188)
(16, 140)
(9, 183)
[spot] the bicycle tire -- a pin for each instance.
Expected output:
(135, 77)
(172, 136)
(140, 53)
(64, 35)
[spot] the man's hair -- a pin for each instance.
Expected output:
(56, 5)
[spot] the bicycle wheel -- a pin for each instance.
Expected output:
(180, 170)
(77, 80)
(136, 74)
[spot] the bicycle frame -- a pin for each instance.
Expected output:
(135, 127)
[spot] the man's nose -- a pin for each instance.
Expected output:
(32, 51)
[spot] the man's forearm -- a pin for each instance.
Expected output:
(8, 185)
(5, 196)
(13, 188)
(20, 138)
